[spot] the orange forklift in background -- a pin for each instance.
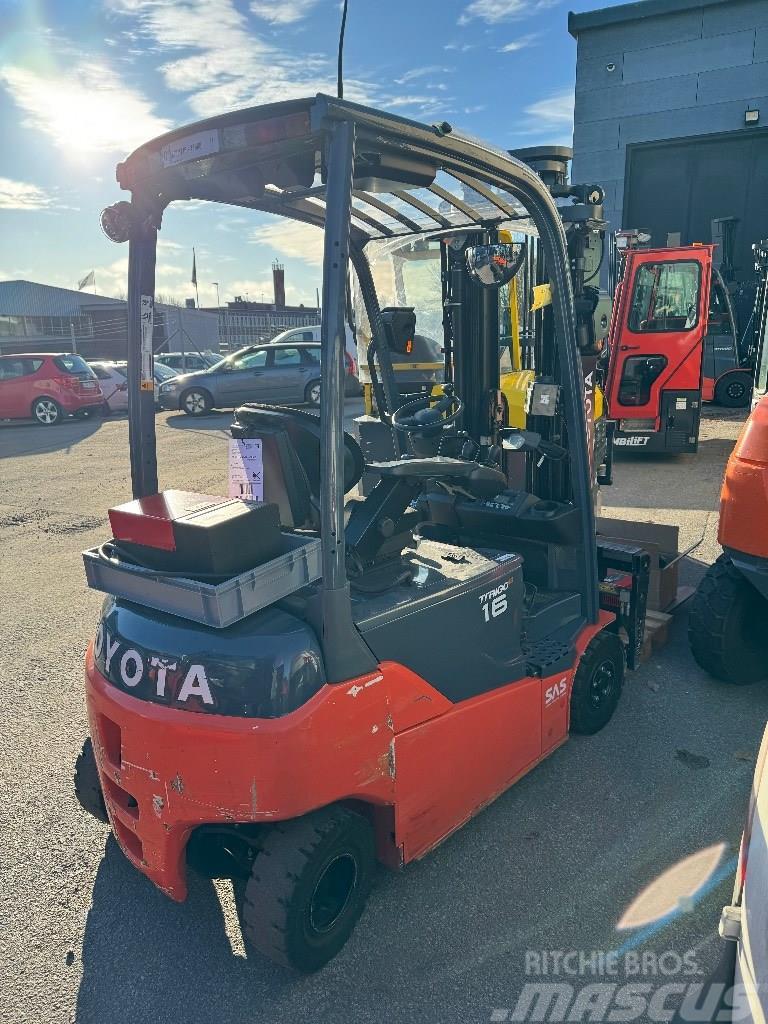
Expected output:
(672, 345)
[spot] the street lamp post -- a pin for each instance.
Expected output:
(218, 314)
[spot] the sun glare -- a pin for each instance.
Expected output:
(86, 110)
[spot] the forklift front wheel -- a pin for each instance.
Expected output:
(308, 887)
(597, 685)
(87, 786)
(733, 390)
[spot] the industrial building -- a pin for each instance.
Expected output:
(243, 322)
(39, 318)
(671, 118)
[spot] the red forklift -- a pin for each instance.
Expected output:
(672, 345)
(290, 689)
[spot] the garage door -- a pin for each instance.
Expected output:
(679, 188)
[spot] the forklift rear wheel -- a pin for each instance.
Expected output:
(196, 402)
(733, 390)
(308, 887)
(726, 626)
(312, 393)
(597, 685)
(87, 786)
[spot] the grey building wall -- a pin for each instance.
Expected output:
(663, 69)
(41, 317)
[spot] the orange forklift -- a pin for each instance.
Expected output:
(728, 624)
(291, 688)
(673, 345)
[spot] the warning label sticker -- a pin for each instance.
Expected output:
(246, 469)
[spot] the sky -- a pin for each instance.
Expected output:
(83, 82)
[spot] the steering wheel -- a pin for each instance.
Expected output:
(419, 416)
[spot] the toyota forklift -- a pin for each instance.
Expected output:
(292, 687)
(729, 611)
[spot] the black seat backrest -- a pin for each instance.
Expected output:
(295, 440)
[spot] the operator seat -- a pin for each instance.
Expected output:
(482, 481)
(291, 459)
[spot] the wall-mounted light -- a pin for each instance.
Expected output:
(751, 116)
(610, 67)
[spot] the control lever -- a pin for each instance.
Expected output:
(515, 440)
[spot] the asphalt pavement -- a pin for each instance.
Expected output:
(555, 864)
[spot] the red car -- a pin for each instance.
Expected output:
(47, 387)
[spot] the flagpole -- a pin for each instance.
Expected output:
(194, 277)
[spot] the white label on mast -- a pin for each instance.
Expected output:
(147, 358)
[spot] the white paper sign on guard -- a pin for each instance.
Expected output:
(246, 469)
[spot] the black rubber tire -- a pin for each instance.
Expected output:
(87, 786)
(734, 390)
(201, 407)
(104, 410)
(48, 407)
(312, 394)
(279, 898)
(727, 626)
(597, 685)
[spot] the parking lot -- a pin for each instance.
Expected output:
(551, 865)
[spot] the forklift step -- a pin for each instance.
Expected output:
(546, 657)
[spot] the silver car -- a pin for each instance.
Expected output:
(114, 385)
(269, 373)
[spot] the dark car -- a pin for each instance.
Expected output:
(47, 387)
(274, 374)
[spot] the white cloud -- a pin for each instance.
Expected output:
(167, 246)
(20, 195)
(550, 118)
(226, 65)
(553, 111)
(519, 44)
(282, 12)
(291, 238)
(492, 12)
(430, 69)
(230, 66)
(85, 110)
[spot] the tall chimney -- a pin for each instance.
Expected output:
(278, 280)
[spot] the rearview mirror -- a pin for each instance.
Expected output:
(494, 265)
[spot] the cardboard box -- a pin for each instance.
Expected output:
(661, 542)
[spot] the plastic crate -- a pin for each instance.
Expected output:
(219, 604)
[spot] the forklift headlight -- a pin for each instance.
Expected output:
(117, 221)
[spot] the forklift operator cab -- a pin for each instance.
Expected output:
(657, 333)
(288, 690)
